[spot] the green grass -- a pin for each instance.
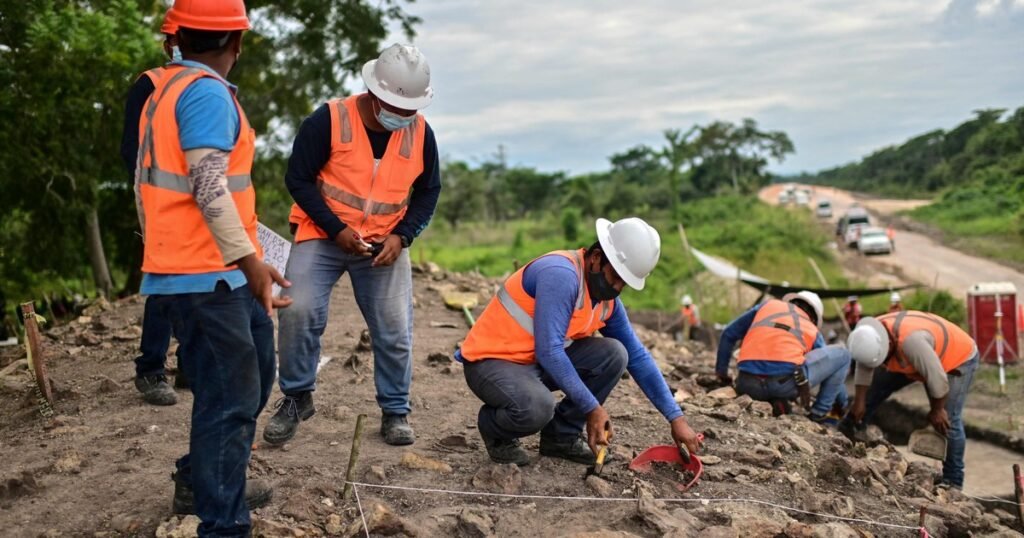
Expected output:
(769, 241)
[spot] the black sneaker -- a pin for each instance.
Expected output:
(396, 430)
(506, 451)
(572, 449)
(155, 390)
(290, 411)
(257, 493)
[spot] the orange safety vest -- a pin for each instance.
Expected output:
(154, 75)
(367, 195)
(690, 315)
(505, 329)
(953, 345)
(780, 332)
(177, 239)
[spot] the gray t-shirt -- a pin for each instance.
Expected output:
(919, 350)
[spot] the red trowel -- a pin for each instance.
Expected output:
(672, 454)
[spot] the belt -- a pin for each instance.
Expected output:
(765, 378)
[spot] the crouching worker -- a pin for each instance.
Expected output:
(537, 336)
(914, 346)
(783, 356)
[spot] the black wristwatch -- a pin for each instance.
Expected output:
(405, 241)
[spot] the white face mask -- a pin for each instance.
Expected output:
(391, 121)
(175, 54)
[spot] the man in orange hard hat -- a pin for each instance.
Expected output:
(150, 375)
(365, 176)
(202, 261)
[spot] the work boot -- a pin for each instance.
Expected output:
(396, 430)
(155, 390)
(573, 449)
(257, 493)
(291, 409)
(506, 451)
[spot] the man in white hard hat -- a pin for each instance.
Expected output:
(852, 311)
(537, 336)
(896, 302)
(897, 349)
(783, 355)
(365, 178)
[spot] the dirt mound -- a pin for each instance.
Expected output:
(100, 465)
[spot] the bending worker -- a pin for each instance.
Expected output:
(916, 346)
(689, 316)
(896, 302)
(536, 336)
(782, 356)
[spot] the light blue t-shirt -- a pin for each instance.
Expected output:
(207, 118)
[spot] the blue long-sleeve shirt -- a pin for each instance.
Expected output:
(311, 151)
(735, 332)
(553, 282)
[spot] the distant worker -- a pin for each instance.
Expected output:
(914, 346)
(689, 316)
(150, 372)
(783, 356)
(536, 336)
(890, 232)
(364, 174)
(896, 302)
(852, 311)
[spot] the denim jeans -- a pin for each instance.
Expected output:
(230, 362)
(825, 368)
(884, 383)
(517, 397)
(384, 296)
(156, 337)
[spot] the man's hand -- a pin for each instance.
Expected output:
(351, 243)
(392, 248)
(724, 379)
(261, 277)
(939, 420)
(683, 434)
(598, 423)
(858, 410)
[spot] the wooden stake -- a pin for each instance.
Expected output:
(920, 518)
(34, 348)
(697, 292)
(824, 284)
(935, 288)
(353, 457)
(1018, 487)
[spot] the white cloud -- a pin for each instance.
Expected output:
(565, 84)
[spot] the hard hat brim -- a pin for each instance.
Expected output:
(405, 103)
(603, 227)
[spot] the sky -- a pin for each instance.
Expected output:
(562, 85)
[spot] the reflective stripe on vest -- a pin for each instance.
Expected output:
(505, 329)
(793, 328)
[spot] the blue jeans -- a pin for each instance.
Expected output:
(517, 397)
(384, 296)
(825, 368)
(156, 338)
(230, 362)
(884, 383)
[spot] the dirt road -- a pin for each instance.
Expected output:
(918, 256)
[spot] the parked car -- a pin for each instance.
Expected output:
(852, 234)
(784, 197)
(873, 240)
(855, 216)
(824, 210)
(802, 199)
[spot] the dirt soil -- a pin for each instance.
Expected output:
(100, 464)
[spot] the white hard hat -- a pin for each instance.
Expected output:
(851, 298)
(400, 77)
(632, 246)
(895, 297)
(810, 298)
(686, 300)
(869, 343)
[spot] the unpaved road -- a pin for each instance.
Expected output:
(918, 256)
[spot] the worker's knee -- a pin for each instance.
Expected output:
(615, 356)
(531, 411)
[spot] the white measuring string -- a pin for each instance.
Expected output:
(632, 499)
(359, 503)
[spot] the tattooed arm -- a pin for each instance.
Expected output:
(207, 176)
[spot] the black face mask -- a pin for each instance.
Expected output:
(599, 288)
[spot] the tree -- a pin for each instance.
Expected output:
(464, 194)
(679, 150)
(737, 155)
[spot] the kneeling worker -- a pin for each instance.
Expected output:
(536, 336)
(916, 346)
(782, 356)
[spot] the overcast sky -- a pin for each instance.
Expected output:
(564, 84)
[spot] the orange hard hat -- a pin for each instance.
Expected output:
(170, 26)
(210, 15)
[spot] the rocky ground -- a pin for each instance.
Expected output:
(98, 463)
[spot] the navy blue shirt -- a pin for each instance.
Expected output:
(137, 95)
(311, 151)
(735, 332)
